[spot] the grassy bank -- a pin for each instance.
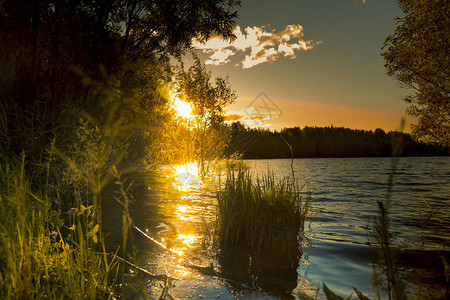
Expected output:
(46, 252)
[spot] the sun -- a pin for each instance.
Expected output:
(183, 109)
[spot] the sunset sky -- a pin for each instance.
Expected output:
(317, 63)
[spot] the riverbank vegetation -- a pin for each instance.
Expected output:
(201, 136)
(45, 253)
(416, 56)
(85, 89)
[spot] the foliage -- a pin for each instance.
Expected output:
(208, 99)
(49, 252)
(144, 109)
(61, 59)
(84, 88)
(417, 56)
(323, 142)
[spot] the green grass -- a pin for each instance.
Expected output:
(45, 253)
(51, 245)
(262, 215)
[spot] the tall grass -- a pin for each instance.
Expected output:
(41, 255)
(261, 214)
(51, 244)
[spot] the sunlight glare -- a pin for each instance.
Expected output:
(186, 176)
(181, 213)
(177, 251)
(182, 208)
(187, 239)
(182, 108)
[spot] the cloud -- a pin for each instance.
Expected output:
(259, 118)
(236, 117)
(257, 44)
(252, 121)
(233, 117)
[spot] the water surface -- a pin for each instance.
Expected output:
(177, 209)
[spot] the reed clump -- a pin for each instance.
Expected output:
(263, 215)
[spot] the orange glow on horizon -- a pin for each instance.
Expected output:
(319, 114)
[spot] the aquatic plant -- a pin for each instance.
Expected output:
(263, 215)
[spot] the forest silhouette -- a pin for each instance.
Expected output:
(325, 142)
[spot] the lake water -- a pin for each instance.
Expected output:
(177, 209)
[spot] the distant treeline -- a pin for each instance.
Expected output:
(325, 142)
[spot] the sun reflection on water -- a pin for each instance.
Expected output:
(180, 231)
(180, 228)
(181, 212)
(186, 177)
(188, 239)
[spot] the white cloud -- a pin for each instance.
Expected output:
(219, 57)
(257, 44)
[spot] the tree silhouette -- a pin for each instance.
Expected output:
(417, 55)
(208, 98)
(60, 58)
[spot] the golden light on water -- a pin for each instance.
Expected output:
(186, 176)
(185, 180)
(177, 251)
(187, 239)
(182, 208)
(181, 212)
